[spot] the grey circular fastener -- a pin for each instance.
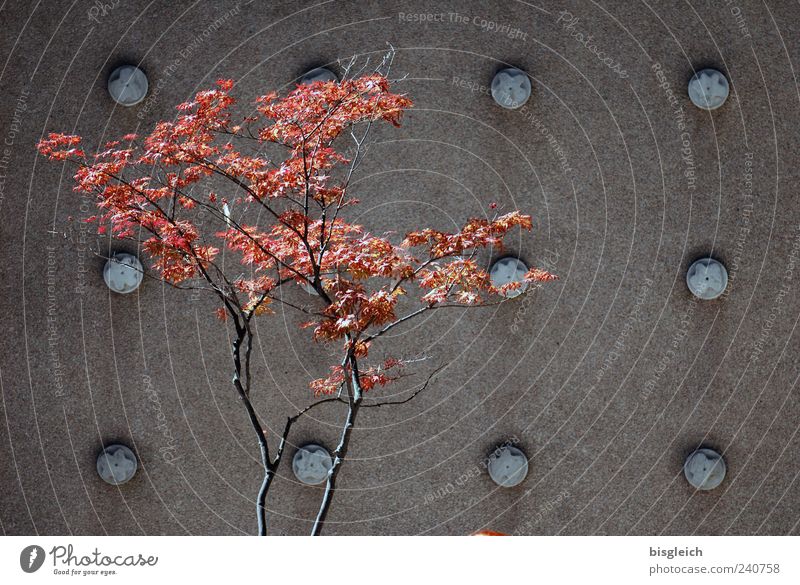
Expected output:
(318, 74)
(508, 466)
(704, 469)
(511, 88)
(509, 269)
(127, 85)
(123, 273)
(708, 89)
(707, 279)
(311, 464)
(116, 464)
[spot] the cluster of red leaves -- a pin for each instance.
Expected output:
(367, 379)
(354, 310)
(60, 146)
(147, 189)
(327, 110)
(477, 233)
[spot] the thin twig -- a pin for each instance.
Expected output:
(411, 397)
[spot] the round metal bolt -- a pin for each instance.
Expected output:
(708, 89)
(311, 464)
(508, 466)
(318, 74)
(707, 279)
(127, 85)
(123, 273)
(511, 88)
(509, 269)
(704, 469)
(116, 464)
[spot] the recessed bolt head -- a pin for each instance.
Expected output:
(311, 464)
(509, 269)
(704, 469)
(127, 85)
(511, 88)
(123, 273)
(318, 74)
(707, 279)
(708, 89)
(507, 466)
(116, 464)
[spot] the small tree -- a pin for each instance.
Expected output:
(283, 218)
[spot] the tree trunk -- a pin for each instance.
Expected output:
(339, 455)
